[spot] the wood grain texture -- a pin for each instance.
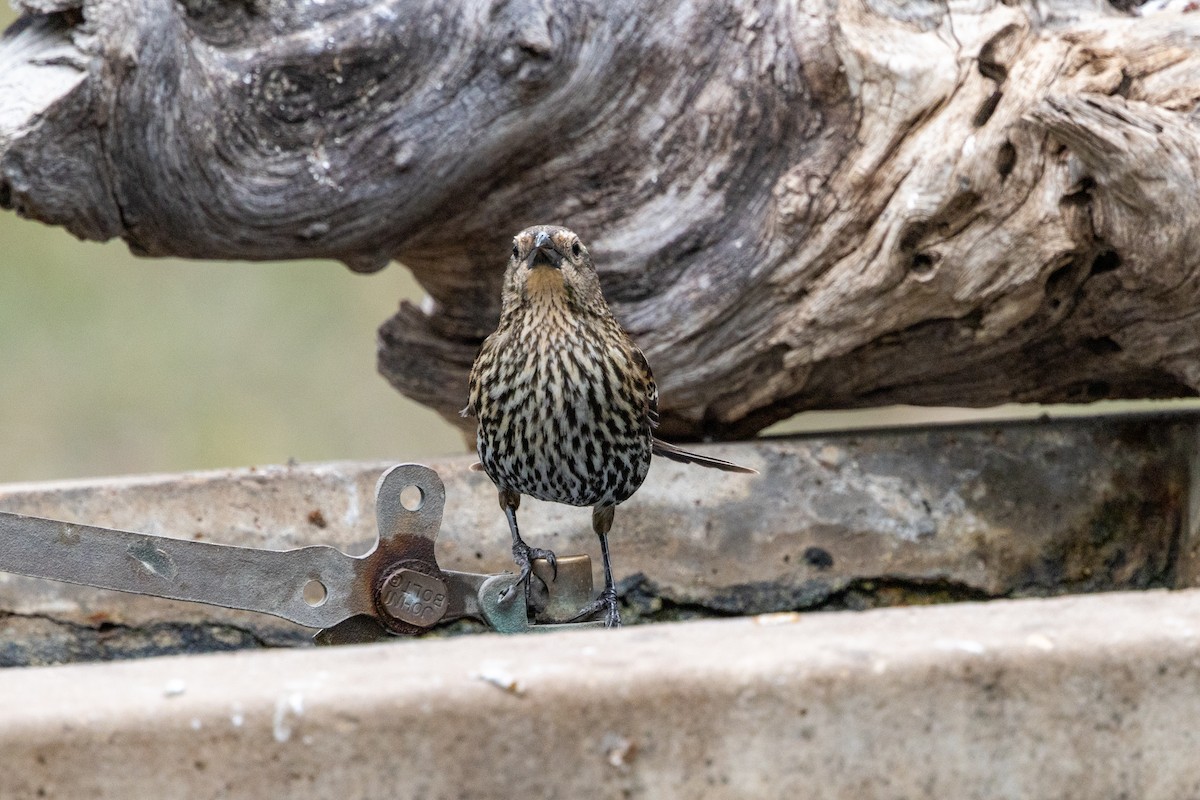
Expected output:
(792, 205)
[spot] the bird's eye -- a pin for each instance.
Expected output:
(576, 249)
(516, 251)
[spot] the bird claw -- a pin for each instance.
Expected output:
(607, 602)
(523, 557)
(551, 559)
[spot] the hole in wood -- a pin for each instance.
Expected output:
(1081, 192)
(956, 214)
(913, 235)
(986, 109)
(990, 66)
(1006, 159)
(992, 70)
(1101, 346)
(1062, 281)
(1124, 86)
(923, 265)
(1105, 261)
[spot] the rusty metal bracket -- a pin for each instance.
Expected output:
(396, 588)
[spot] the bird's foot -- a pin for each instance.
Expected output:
(606, 602)
(523, 557)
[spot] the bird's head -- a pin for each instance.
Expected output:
(550, 266)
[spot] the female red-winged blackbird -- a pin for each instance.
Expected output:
(566, 401)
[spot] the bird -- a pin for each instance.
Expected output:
(566, 403)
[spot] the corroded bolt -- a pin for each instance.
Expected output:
(414, 597)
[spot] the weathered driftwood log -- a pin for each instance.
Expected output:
(818, 204)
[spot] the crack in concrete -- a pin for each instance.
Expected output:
(644, 602)
(40, 639)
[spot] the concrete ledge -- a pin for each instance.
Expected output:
(1080, 697)
(834, 521)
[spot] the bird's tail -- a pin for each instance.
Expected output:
(674, 453)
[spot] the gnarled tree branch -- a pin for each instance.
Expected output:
(825, 204)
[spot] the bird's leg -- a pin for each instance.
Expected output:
(602, 519)
(523, 554)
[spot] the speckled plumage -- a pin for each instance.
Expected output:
(566, 402)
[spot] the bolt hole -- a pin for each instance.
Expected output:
(412, 498)
(314, 593)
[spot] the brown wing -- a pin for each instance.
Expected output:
(639, 358)
(486, 354)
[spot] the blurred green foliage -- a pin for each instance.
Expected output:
(113, 364)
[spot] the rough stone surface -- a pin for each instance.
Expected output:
(1064, 699)
(851, 521)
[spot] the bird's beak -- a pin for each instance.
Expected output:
(544, 253)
